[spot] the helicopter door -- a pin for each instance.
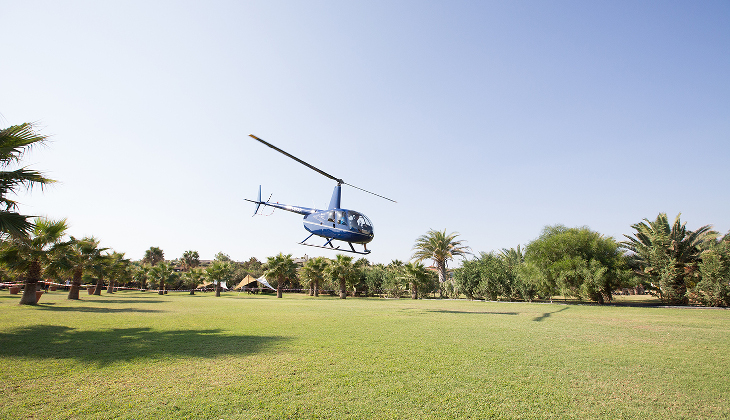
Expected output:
(331, 217)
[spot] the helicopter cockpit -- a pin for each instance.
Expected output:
(354, 221)
(359, 222)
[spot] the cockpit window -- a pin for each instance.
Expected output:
(341, 218)
(359, 223)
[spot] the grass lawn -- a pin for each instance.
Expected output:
(140, 355)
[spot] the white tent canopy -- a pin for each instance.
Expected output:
(223, 284)
(263, 281)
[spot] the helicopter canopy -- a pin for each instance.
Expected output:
(352, 219)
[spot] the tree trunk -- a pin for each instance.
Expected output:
(280, 288)
(162, 288)
(218, 289)
(99, 286)
(343, 289)
(34, 274)
(73, 292)
(441, 265)
(414, 291)
(316, 288)
(311, 289)
(110, 289)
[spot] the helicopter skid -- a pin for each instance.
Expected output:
(333, 248)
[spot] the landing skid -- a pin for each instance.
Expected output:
(333, 248)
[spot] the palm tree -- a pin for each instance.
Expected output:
(439, 247)
(190, 259)
(192, 278)
(153, 256)
(162, 272)
(120, 269)
(313, 273)
(417, 275)
(513, 257)
(101, 267)
(140, 272)
(14, 142)
(281, 268)
(78, 255)
(219, 271)
(667, 256)
(341, 270)
(28, 254)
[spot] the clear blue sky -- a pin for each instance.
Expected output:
(492, 119)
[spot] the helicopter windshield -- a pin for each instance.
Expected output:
(359, 223)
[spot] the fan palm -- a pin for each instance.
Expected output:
(153, 256)
(119, 269)
(192, 278)
(441, 248)
(667, 256)
(101, 267)
(14, 142)
(220, 271)
(418, 276)
(77, 256)
(313, 273)
(342, 271)
(281, 268)
(190, 259)
(162, 272)
(28, 254)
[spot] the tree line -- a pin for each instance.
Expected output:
(678, 265)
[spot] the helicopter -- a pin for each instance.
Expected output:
(334, 223)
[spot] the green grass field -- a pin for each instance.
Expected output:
(141, 355)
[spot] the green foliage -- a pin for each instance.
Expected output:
(484, 277)
(253, 267)
(153, 256)
(421, 281)
(193, 277)
(529, 280)
(190, 259)
(374, 278)
(714, 287)
(15, 141)
(394, 281)
(27, 255)
(343, 272)
(220, 270)
(279, 270)
(160, 274)
(467, 278)
(666, 257)
(441, 248)
(313, 273)
(569, 257)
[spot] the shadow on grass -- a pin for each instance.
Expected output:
(548, 314)
(446, 311)
(92, 309)
(124, 301)
(104, 347)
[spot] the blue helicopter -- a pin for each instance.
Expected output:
(333, 224)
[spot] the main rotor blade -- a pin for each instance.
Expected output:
(339, 180)
(361, 189)
(299, 160)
